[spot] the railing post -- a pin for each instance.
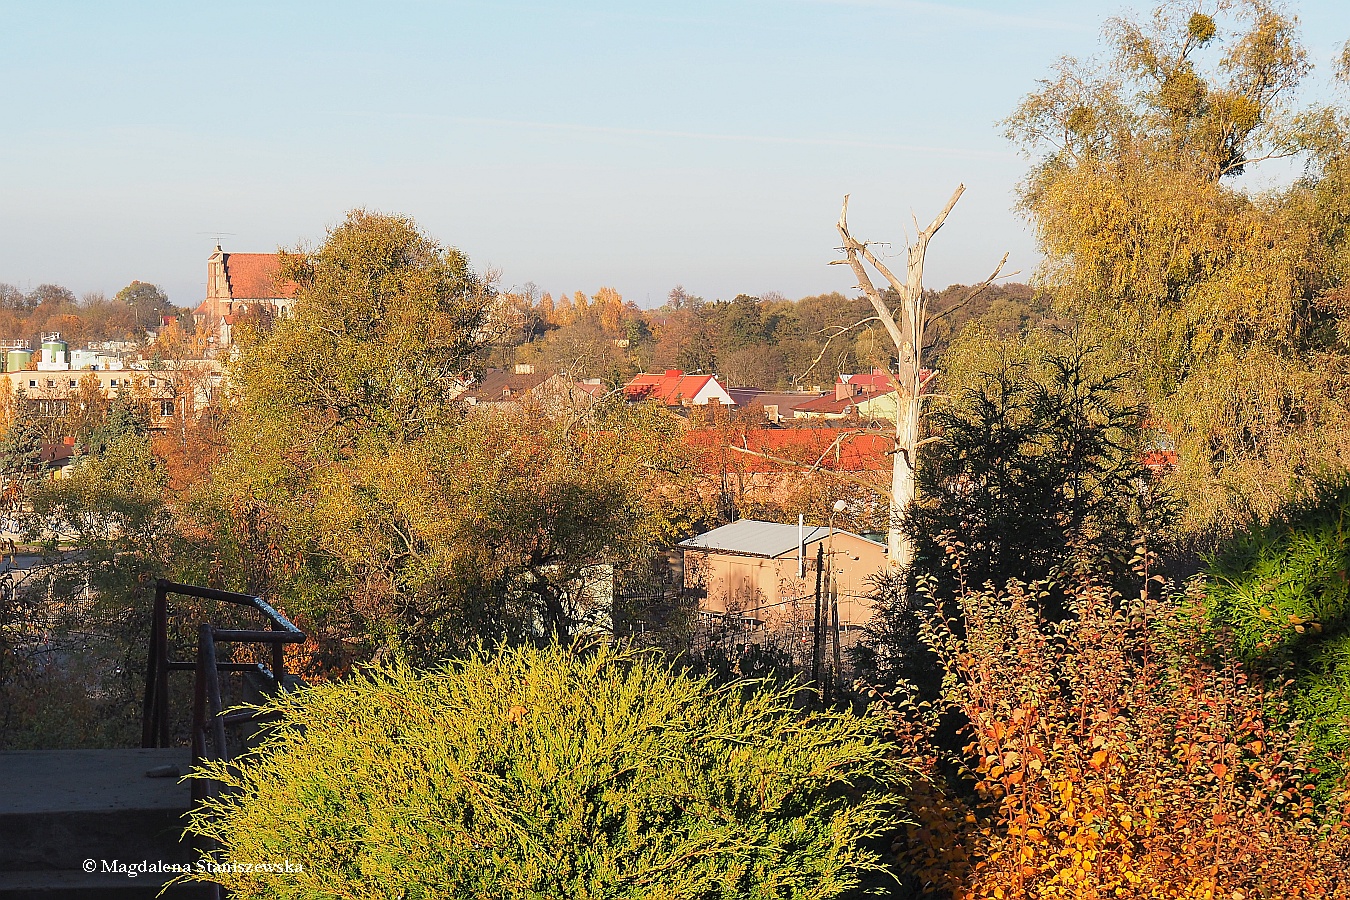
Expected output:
(162, 652)
(278, 662)
(199, 788)
(155, 712)
(207, 637)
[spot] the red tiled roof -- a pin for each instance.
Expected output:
(671, 387)
(856, 452)
(876, 380)
(254, 276)
(504, 386)
(1159, 461)
(784, 400)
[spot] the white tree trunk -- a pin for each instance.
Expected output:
(905, 326)
(904, 484)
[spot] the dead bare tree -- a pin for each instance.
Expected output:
(905, 326)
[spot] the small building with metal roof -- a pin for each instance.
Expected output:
(766, 571)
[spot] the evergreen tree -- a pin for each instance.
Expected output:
(128, 416)
(1033, 467)
(21, 444)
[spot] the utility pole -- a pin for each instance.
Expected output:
(834, 612)
(839, 506)
(818, 637)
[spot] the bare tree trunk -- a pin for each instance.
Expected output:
(905, 327)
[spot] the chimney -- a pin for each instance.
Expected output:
(845, 389)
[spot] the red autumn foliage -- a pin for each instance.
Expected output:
(1119, 753)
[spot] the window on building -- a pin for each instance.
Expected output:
(152, 382)
(113, 382)
(166, 407)
(72, 382)
(32, 384)
(51, 382)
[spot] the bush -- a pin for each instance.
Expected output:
(1116, 753)
(533, 773)
(1280, 588)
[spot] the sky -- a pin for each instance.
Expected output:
(569, 145)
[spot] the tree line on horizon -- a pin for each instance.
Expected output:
(51, 308)
(768, 342)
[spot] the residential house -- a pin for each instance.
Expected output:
(674, 388)
(773, 406)
(869, 397)
(58, 457)
(509, 388)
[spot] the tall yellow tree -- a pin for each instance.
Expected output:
(1224, 299)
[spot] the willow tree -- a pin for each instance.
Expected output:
(1228, 302)
(905, 326)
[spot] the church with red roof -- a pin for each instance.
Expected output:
(237, 283)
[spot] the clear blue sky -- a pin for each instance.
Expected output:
(574, 145)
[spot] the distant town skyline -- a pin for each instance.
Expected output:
(571, 146)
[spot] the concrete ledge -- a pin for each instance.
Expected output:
(70, 781)
(46, 885)
(59, 808)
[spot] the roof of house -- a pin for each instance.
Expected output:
(256, 276)
(854, 452)
(750, 537)
(875, 380)
(504, 386)
(829, 404)
(784, 400)
(672, 387)
(56, 453)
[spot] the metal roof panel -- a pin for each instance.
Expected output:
(754, 538)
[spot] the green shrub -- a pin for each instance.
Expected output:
(550, 773)
(1280, 590)
(1282, 586)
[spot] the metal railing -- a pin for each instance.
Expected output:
(209, 719)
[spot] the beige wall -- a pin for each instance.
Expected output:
(761, 587)
(166, 390)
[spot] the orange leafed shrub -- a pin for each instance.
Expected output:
(1116, 754)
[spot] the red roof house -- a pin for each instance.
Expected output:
(833, 449)
(674, 388)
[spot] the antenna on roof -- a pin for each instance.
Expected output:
(218, 235)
